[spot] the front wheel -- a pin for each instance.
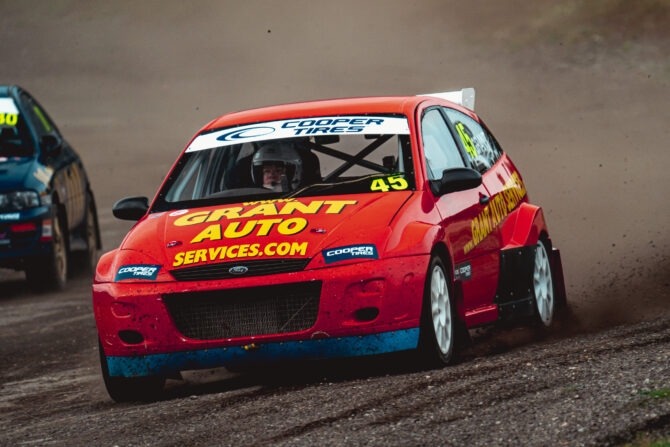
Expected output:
(130, 389)
(438, 324)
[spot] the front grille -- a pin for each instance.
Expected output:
(232, 313)
(256, 268)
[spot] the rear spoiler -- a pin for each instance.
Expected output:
(464, 97)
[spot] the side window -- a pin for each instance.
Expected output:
(41, 121)
(439, 146)
(480, 147)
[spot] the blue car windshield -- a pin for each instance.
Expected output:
(15, 139)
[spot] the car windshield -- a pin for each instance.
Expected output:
(292, 158)
(14, 137)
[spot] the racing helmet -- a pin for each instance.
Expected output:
(278, 153)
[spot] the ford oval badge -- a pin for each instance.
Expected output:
(238, 270)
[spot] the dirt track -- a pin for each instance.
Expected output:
(579, 99)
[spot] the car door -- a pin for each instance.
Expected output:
(475, 269)
(482, 153)
(69, 179)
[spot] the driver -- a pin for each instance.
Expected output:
(277, 165)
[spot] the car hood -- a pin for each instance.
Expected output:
(13, 172)
(295, 228)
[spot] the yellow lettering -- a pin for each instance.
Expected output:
(336, 206)
(212, 233)
(298, 249)
(228, 213)
(242, 253)
(292, 207)
(232, 254)
(266, 225)
(487, 220)
(214, 252)
(188, 259)
(232, 232)
(200, 256)
(178, 260)
(283, 248)
(223, 253)
(253, 249)
(268, 201)
(191, 219)
(468, 247)
(266, 210)
(292, 226)
(269, 249)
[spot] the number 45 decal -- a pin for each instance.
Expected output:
(396, 182)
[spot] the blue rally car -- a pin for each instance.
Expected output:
(47, 209)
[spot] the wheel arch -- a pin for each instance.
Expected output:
(524, 226)
(98, 238)
(440, 249)
(61, 213)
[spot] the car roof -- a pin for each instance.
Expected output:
(346, 106)
(5, 90)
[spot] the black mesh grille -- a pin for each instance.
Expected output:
(256, 268)
(232, 313)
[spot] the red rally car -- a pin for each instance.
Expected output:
(323, 229)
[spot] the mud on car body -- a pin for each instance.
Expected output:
(323, 229)
(47, 208)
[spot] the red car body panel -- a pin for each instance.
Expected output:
(469, 227)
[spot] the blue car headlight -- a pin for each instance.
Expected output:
(18, 200)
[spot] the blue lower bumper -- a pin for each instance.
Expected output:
(145, 365)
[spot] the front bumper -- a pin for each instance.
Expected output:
(18, 245)
(393, 286)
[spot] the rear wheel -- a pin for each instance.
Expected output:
(543, 287)
(130, 389)
(50, 271)
(438, 324)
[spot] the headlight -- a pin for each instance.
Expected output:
(18, 200)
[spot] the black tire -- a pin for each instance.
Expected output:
(49, 272)
(437, 338)
(544, 294)
(85, 262)
(130, 389)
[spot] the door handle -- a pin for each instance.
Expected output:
(483, 200)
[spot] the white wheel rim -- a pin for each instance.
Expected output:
(544, 290)
(440, 309)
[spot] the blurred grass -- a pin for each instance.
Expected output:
(645, 441)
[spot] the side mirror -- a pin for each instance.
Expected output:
(131, 208)
(50, 144)
(456, 179)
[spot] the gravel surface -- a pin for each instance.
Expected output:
(512, 387)
(577, 94)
